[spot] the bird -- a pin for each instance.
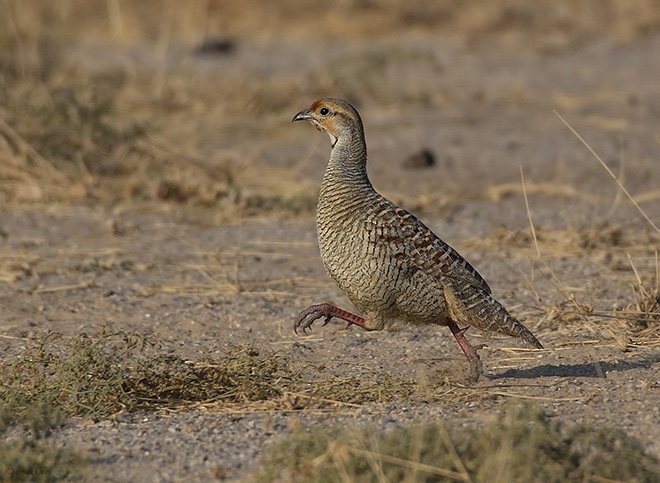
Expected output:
(390, 265)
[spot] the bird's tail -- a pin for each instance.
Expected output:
(469, 305)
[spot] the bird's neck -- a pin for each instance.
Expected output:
(348, 162)
(345, 188)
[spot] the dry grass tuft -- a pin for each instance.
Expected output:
(604, 236)
(524, 445)
(28, 459)
(68, 141)
(97, 376)
(26, 455)
(647, 307)
(644, 310)
(100, 375)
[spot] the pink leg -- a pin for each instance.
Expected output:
(469, 351)
(315, 312)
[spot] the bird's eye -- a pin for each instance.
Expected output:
(324, 111)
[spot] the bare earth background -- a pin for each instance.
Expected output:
(151, 181)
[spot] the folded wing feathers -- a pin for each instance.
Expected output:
(409, 238)
(467, 294)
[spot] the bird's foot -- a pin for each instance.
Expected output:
(311, 314)
(476, 369)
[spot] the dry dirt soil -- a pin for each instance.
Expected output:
(203, 282)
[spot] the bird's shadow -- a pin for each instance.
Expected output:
(587, 369)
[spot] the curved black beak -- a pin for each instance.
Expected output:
(302, 116)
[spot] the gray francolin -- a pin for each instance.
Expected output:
(388, 263)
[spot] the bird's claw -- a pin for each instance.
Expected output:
(308, 316)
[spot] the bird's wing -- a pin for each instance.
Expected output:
(468, 296)
(410, 239)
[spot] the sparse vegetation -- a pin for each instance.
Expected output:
(77, 136)
(524, 445)
(646, 307)
(28, 459)
(27, 455)
(96, 376)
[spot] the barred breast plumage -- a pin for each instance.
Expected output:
(388, 263)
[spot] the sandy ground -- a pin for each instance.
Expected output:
(202, 287)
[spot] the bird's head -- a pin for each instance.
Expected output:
(336, 117)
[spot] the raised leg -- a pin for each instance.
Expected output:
(470, 352)
(315, 312)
